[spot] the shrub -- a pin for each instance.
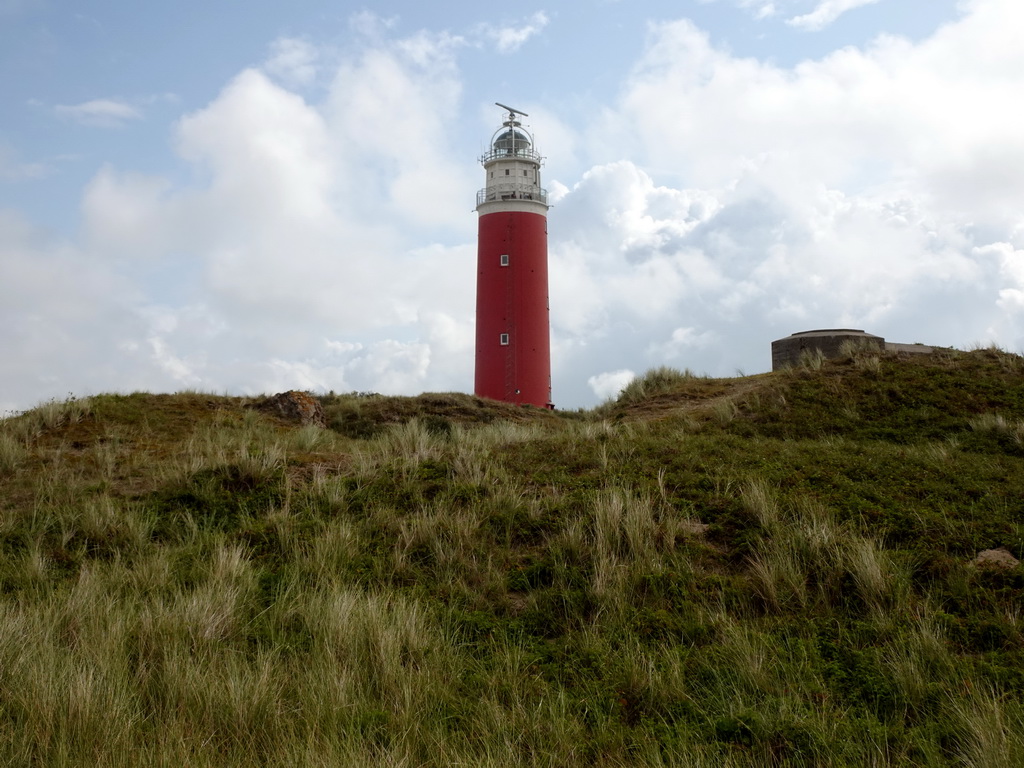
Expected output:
(654, 382)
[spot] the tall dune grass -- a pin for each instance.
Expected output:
(222, 589)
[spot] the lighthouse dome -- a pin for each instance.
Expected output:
(511, 142)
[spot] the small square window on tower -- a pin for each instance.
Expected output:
(507, 171)
(504, 339)
(504, 260)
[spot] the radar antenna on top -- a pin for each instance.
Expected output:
(511, 112)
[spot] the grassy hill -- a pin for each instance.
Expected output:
(769, 570)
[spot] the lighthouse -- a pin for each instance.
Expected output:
(513, 345)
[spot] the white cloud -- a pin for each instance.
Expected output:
(309, 221)
(608, 385)
(510, 38)
(681, 341)
(341, 347)
(371, 25)
(73, 325)
(106, 113)
(391, 110)
(937, 118)
(293, 61)
(124, 217)
(281, 375)
(870, 188)
(826, 12)
(179, 369)
(823, 14)
(762, 9)
(1010, 263)
(616, 254)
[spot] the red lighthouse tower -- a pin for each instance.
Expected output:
(513, 345)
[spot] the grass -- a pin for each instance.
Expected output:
(770, 570)
(654, 382)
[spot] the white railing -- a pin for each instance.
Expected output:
(519, 153)
(507, 191)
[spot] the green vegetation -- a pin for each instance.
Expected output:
(773, 570)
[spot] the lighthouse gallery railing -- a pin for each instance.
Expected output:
(504, 153)
(511, 191)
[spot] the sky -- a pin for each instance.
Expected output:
(247, 198)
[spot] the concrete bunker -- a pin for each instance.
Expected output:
(828, 341)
